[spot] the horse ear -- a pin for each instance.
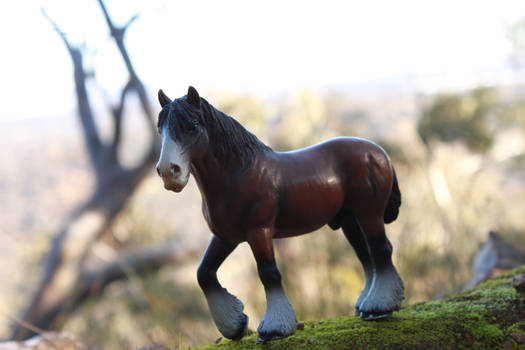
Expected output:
(193, 97)
(163, 99)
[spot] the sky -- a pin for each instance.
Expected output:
(259, 47)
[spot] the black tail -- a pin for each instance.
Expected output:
(394, 202)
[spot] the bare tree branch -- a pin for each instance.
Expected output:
(117, 122)
(89, 128)
(118, 34)
(138, 262)
(136, 84)
(64, 264)
(57, 29)
(131, 20)
(146, 107)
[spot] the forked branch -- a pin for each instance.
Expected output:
(134, 83)
(89, 128)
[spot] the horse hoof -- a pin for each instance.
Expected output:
(357, 312)
(266, 337)
(372, 316)
(243, 329)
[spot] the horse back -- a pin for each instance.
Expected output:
(318, 182)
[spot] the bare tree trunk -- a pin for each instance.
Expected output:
(64, 283)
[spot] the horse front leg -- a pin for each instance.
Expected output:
(225, 308)
(279, 320)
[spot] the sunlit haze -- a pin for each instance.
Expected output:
(263, 47)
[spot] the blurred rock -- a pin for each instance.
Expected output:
(519, 338)
(46, 341)
(507, 345)
(494, 257)
(519, 283)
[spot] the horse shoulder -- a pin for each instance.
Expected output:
(245, 201)
(259, 189)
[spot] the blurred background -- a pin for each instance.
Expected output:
(91, 243)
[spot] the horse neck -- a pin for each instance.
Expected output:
(224, 159)
(210, 173)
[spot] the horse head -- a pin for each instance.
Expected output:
(184, 138)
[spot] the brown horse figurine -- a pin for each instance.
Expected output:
(253, 194)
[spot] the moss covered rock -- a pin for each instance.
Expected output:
(491, 316)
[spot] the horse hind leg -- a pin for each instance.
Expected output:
(353, 234)
(385, 290)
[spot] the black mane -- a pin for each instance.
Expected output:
(229, 140)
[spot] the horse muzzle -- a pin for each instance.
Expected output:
(174, 185)
(172, 177)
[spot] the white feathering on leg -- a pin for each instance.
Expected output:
(385, 294)
(280, 316)
(227, 312)
(369, 273)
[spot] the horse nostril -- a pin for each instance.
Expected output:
(175, 169)
(158, 171)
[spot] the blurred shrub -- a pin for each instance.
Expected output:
(247, 110)
(135, 227)
(513, 114)
(460, 118)
(301, 121)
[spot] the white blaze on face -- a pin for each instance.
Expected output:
(173, 165)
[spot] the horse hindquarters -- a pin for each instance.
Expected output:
(363, 223)
(394, 201)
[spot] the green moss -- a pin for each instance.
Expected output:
(488, 333)
(481, 318)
